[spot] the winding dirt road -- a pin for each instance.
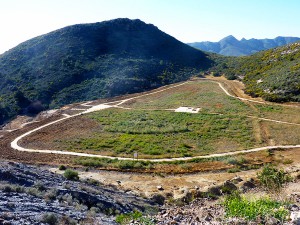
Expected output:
(14, 144)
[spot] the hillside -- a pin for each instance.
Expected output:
(90, 61)
(273, 74)
(230, 46)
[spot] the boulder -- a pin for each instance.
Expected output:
(236, 180)
(247, 185)
(295, 217)
(160, 188)
(228, 187)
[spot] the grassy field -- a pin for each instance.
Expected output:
(164, 134)
(278, 112)
(221, 125)
(202, 94)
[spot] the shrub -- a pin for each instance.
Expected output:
(50, 219)
(158, 198)
(7, 188)
(135, 216)
(233, 170)
(62, 167)
(71, 174)
(272, 178)
(238, 206)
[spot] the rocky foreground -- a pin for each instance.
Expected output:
(31, 195)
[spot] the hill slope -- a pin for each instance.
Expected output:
(90, 61)
(273, 74)
(230, 46)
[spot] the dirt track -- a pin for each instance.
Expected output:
(93, 108)
(234, 88)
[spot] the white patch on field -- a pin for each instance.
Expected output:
(97, 108)
(187, 109)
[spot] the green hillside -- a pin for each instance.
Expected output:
(90, 61)
(272, 74)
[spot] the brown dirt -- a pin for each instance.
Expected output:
(146, 183)
(7, 153)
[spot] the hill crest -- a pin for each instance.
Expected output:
(88, 61)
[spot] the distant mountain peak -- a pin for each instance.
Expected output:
(229, 38)
(230, 46)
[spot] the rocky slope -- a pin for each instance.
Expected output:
(30, 195)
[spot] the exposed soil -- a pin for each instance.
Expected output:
(209, 175)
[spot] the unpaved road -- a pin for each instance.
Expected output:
(15, 145)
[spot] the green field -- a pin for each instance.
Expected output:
(202, 94)
(164, 134)
(147, 125)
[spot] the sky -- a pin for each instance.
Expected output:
(186, 20)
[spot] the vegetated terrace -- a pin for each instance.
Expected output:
(147, 127)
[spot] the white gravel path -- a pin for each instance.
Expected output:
(16, 146)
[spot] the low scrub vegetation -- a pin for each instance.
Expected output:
(135, 216)
(71, 174)
(160, 134)
(273, 179)
(272, 74)
(240, 206)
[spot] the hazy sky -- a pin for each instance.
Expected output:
(186, 20)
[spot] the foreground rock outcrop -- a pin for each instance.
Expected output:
(31, 195)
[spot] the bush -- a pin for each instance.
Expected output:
(133, 216)
(71, 174)
(8, 188)
(238, 206)
(272, 178)
(50, 219)
(62, 167)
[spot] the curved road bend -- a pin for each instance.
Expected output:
(16, 146)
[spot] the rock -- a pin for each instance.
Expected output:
(236, 180)
(294, 207)
(247, 185)
(158, 198)
(178, 218)
(216, 190)
(26, 202)
(272, 221)
(169, 195)
(160, 188)
(208, 217)
(228, 187)
(295, 217)
(188, 196)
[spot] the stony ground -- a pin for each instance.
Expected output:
(31, 195)
(34, 195)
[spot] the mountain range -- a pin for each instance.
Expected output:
(90, 61)
(230, 46)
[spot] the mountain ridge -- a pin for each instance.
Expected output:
(272, 74)
(88, 61)
(230, 46)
